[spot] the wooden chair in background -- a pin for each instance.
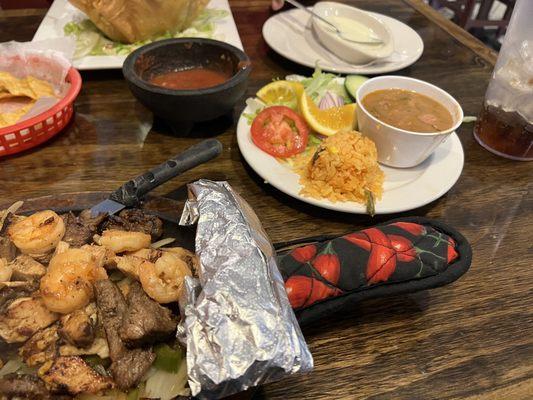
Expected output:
(464, 14)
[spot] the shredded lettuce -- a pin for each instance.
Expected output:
(321, 82)
(314, 140)
(255, 106)
(91, 41)
(250, 117)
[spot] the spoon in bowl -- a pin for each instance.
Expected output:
(373, 40)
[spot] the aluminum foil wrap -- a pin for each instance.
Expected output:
(238, 326)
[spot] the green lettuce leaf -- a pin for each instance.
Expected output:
(317, 85)
(90, 41)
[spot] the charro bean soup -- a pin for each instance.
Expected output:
(408, 110)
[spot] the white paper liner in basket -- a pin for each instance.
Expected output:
(47, 60)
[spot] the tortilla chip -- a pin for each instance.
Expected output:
(5, 94)
(40, 88)
(13, 109)
(28, 87)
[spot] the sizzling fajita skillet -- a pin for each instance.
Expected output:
(321, 275)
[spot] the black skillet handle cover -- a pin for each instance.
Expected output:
(400, 256)
(132, 191)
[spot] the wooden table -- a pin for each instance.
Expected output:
(472, 339)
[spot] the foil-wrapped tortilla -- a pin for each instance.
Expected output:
(238, 326)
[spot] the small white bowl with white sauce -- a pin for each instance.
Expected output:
(355, 24)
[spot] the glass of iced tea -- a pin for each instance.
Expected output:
(505, 125)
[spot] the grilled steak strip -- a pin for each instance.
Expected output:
(76, 233)
(129, 366)
(137, 221)
(145, 320)
(23, 387)
(111, 309)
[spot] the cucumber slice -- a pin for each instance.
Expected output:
(353, 82)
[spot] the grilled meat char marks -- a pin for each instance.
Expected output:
(76, 233)
(9, 294)
(128, 366)
(77, 329)
(7, 248)
(80, 229)
(145, 320)
(73, 375)
(111, 308)
(128, 370)
(23, 387)
(130, 326)
(41, 347)
(24, 317)
(93, 223)
(26, 268)
(137, 221)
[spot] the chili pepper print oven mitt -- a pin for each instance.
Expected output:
(400, 256)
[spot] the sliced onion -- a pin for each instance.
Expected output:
(330, 100)
(11, 367)
(162, 242)
(165, 385)
(12, 209)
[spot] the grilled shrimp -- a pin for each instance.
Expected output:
(147, 254)
(5, 270)
(188, 256)
(129, 265)
(130, 262)
(162, 280)
(67, 285)
(121, 241)
(38, 234)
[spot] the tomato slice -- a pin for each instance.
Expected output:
(280, 132)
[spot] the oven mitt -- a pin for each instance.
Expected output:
(401, 256)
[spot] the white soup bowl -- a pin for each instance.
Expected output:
(398, 147)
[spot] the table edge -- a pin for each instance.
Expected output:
(464, 37)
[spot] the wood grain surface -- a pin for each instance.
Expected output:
(472, 339)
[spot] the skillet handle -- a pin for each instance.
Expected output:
(132, 191)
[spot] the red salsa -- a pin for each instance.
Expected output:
(195, 78)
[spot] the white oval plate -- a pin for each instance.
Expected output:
(404, 189)
(289, 33)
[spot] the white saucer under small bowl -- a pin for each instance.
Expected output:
(397, 147)
(291, 35)
(350, 51)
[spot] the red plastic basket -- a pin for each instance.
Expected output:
(42, 127)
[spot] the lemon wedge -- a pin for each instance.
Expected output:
(281, 93)
(330, 121)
